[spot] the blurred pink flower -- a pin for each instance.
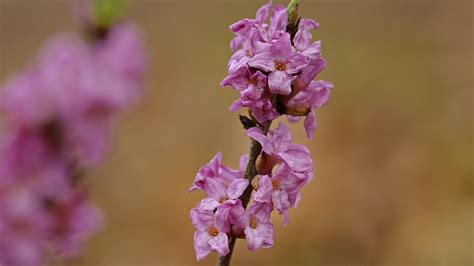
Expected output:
(60, 114)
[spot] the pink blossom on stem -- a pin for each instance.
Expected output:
(259, 231)
(281, 189)
(273, 65)
(282, 63)
(314, 96)
(211, 233)
(277, 144)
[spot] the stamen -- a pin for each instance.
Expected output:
(280, 66)
(275, 185)
(253, 223)
(213, 231)
(223, 200)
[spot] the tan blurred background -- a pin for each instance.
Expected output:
(393, 152)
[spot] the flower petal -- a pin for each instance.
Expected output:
(321, 92)
(238, 79)
(242, 27)
(265, 190)
(261, 211)
(313, 51)
(237, 216)
(236, 105)
(237, 60)
(297, 157)
(279, 82)
(243, 162)
(290, 181)
(236, 188)
(280, 200)
(201, 245)
(262, 13)
(220, 244)
(235, 43)
(215, 163)
(259, 47)
(303, 36)
(263, 61)
(309, 73)
(221, 217)
(228, 174)
(201, 219)
(254, 238)
(266, 230)
(208, 204)
(257, 134)
(280, 135)
(296, 63)
(294, 199)
(282, 49)
(310, 124)
(279, 20)
(214, 188)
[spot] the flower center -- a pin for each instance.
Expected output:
(275, 185)
(248, 54)
(213, 231)
(280, 66)
(253, 223)
(222, 200)
(253, 81)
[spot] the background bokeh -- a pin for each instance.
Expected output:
(393, 152)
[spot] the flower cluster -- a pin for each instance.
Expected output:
(269, 61)
(59, 115)
(273, 68)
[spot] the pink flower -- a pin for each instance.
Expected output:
(243, 79)
(252, 88)
(24, 227)
(308, 74)
(316, 95)
(303, 36)
(215, 170)
(278, 22)
(223, 187)
(281, 189)
(259, 231)
(124, 53)
(60, 113)
(277, 145)
(79, 88)
(245, 28)
(218, 192)
(211, 234)
(282, 63)
(75, 220)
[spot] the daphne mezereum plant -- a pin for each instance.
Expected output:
(273, 67)
(59, 114)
